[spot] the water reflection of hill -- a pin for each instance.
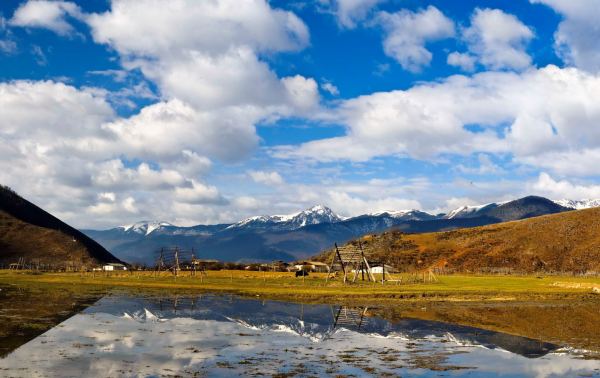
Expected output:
(315, 322)
(26, 313)
(572, 323)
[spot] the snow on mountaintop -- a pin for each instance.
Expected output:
(145, 227)
(395, 213)
(467, 210)
(315, 215)
(578, 204)
(464, 210)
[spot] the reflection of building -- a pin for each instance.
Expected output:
(113, 266)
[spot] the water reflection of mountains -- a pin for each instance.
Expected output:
(315, 322)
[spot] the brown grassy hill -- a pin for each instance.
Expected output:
(30, 233)
(566, 242)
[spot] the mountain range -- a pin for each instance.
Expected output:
(306, 233)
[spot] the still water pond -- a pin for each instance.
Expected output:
(212, 335)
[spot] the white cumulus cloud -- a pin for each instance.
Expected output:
(497, 39)
(465, 61)
(578, 35)
(267, 178)
(553, 188)
(407, 33)
(213, 87)
(544, 118)
(205, 53)
(330, 88)
(50, 15)
(53, 135)
(199, 193)
(350, 12)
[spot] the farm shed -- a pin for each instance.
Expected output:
(113, 266)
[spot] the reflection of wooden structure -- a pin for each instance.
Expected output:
(176, 259)
(352, 258)
(178, 303)
(350, 318)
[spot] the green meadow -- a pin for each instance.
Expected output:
(315, 288)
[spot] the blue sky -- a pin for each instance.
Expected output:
(211, 111)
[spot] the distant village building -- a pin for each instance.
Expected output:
(379, 269)
(113, 266)
(279, 266)
(312, 266)
(201, 263)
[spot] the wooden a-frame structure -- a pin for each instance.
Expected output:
(175, 259)
(351, 257)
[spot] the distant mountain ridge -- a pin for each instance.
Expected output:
(526, 207)
(302, 234)
(579, 204)
(315, 215)
(322, 214)
(145, 227)
(470, 211)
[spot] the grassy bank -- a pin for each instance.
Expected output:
(314, 288)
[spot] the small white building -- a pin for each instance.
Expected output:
(113, 266)
(312, 266)
(378, 269)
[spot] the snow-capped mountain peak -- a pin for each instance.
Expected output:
(465, 210)
(578, 204)
(468, 211)
(394, 213)
(315, 215)
(145, 227)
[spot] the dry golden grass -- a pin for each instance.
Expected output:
(315, 288)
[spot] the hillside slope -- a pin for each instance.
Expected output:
(28, 232)
(568, 242)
